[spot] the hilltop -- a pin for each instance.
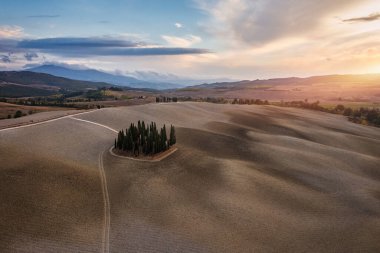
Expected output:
(330, 88)
(29, 84)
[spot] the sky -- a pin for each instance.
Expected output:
(237, 39)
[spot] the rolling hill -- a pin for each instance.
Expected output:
(244, 179)
(332, 88)
(26, 83)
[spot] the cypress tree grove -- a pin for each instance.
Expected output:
(144, 138)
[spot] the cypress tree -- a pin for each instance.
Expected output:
(172, 140)
(166, 138)
(129, 139)
(139, 126)
(124, 145)
(143, 127)
(120, 140)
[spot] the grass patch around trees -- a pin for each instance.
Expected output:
(143, 140)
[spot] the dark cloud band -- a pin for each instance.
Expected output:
(369, 18)
(86, 47)
(64, 43)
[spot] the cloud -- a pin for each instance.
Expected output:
(181, 42)
(261, 21)
(44, 16)
(369, 18)
(30, 56)
(178, 25)
(71, 42)
(56, 63)
(142, 51)
(11, 31)
(5, 58)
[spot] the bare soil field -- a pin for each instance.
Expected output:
(10, 109)
(244, 179)
(38, 118)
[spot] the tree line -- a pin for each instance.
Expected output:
(249, 101)
(221, 100)
(163, 99)
(145, 139)
(52, 102)
(365, 116)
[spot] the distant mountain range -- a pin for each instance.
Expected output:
(355, 88)
(136, 79)
(93, 75)
(180, 81)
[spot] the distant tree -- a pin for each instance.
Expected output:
(348, 112)
(372, 115)
(115, 89)
(357, 114)
(18, 114)
(339, 108)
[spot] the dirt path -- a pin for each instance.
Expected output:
(106, 201)
(94, 123)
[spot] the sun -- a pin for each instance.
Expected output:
(374, 70)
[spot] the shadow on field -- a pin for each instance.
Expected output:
(48, 204)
